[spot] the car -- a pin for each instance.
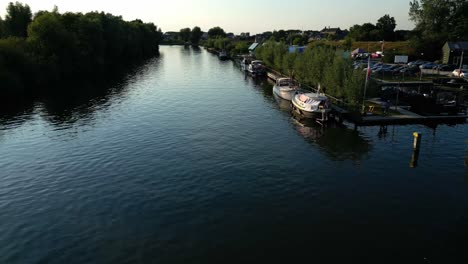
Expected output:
(460, 73)
(418, 63)
(445, 67)
(411, 70)
(429, 65)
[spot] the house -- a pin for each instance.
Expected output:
(253, 47)
(453, 52)
(314, 35)
(335, 33)
(245, 35)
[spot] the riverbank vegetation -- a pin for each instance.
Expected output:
(217, 40)
(41, 51)
(322, 65)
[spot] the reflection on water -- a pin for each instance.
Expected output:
(78, 103)
(335, 140)
(284, 105)
(187, 161)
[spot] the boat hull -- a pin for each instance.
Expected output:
(285, 94)
(321, 114)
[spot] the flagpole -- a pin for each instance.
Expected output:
(365, 86)
(461, 63)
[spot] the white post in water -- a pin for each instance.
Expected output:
(417, 140)
(416, 147)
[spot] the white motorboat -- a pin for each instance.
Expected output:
(312, 105)
(286, 88)
(223, 55)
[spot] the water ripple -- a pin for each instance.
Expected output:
(188, 161)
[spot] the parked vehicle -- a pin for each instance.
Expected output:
(384, 68)
(445, 67)
(410, 70)
(418, 63)
(460, 73)
(429, 65)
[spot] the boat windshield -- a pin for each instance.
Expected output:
(286, 82)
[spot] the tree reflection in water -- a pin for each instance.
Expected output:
(72, 102)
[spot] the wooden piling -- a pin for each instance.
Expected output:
(416, 148)
(417, 140)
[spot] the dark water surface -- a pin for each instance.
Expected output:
(188, 161)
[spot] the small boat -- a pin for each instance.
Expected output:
(245, 62)
(223, 55)
(256, 68)
(312, 105)
(286, 88)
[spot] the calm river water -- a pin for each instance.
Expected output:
(189, 161)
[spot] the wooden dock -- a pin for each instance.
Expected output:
(409, 119)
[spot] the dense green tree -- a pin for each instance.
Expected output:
(440, 17)
(2, 28)
(16, 67)
(298, 39)
(73, 46)
(436, 22)
(348, 43)
(364, 32)
(216, 32)
(386, 26)
(241, 47)
(280, 35)
(320, 65)
(196, 35)
(184, 34)
(17, 20)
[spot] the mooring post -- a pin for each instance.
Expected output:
(417, 140)
(416, 148)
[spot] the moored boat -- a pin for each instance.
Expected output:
(286, 88)
(256, 68)
(223, 55)
(312, 105)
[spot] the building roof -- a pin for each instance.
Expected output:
(331, 30)
(459, 45)
(253, 46)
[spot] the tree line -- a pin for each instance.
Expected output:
(322, 65)
(438, 21)
(44, 49)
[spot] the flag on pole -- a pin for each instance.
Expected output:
(369, 71)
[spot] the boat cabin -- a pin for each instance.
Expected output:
(285, 82)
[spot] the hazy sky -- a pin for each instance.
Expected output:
(237, 16)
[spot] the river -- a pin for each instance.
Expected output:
(186, 160)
